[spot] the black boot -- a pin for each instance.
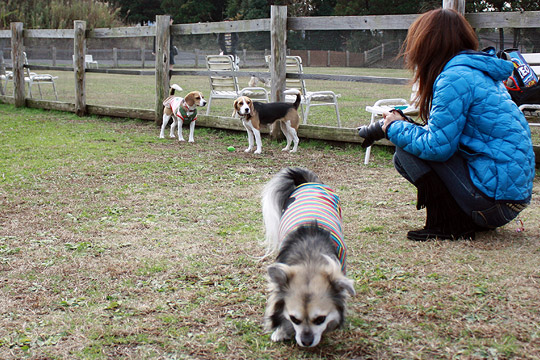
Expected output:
(444, 218)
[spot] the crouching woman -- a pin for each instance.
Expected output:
(472, 162)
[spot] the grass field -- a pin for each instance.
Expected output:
(139, 92)
(117, 245)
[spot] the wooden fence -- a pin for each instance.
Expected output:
(277, 25)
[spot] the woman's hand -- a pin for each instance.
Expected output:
(389, 117)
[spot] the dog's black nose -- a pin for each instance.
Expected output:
(307, 338)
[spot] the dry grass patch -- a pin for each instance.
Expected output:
(115, 244)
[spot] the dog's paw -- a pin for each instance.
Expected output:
(191, 141)
(285, 149)
(248, 150)
(161, 136)
(182, 140)
(279, 335)
(172, 136)
(257, 151)
(293, 150)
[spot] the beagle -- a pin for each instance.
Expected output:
(181, 109)
(254, 114)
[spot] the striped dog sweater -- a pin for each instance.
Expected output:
(315, 202)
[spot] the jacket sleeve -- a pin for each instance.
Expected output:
(439, 139)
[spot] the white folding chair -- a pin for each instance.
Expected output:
(32, 78)
(309, 98)
(225, 86)
(89, 61)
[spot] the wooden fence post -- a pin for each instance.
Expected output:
(2, 70)
(115, 57)
(162, 41)
(142, 57)
(18, 62)
(53, 55)
(458, 5)
(278, 42)
(328, 59)
(79, 53)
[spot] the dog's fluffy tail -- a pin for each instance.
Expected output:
(173, 88)
(298, 96)
(275, 196)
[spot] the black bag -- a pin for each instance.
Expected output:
(530, 95)
(523, 85)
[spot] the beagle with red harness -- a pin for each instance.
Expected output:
(254, 114)
(181, 110)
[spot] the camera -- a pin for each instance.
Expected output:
(374, 131)
(371, 133)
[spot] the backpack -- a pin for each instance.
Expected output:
(523, 85)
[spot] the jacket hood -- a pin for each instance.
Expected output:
(497, 69)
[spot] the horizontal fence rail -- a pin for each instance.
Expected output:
(278, 25)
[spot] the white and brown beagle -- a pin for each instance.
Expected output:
(254, 114)
(181, 109)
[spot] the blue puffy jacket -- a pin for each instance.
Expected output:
(473, 113)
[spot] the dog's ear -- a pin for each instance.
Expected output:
(280, 274)
(190, 99)
(347, 285)
(235, 105)
(341, 283)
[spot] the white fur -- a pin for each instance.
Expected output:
(252, 133)
(271, 214)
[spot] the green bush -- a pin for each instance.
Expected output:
(58, 14)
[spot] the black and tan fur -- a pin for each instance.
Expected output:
(254, 114)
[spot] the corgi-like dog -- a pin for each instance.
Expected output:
(308, 288)
(181, 110)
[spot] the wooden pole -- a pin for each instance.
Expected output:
(163, 39)
(79, 53)
(115, 57)
(53, 55)
(458, 5)
(18, 62)
(2, 71)
(278, 42)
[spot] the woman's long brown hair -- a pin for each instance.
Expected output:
(432, 40)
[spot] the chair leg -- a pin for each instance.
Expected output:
(39, 87)
(208, 105)
(304, 113)
(337, 115)
(55, 93)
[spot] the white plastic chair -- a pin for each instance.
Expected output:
(31, 78)
(226, 86)
(309, 98)
(530, 107)
(89, 62)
